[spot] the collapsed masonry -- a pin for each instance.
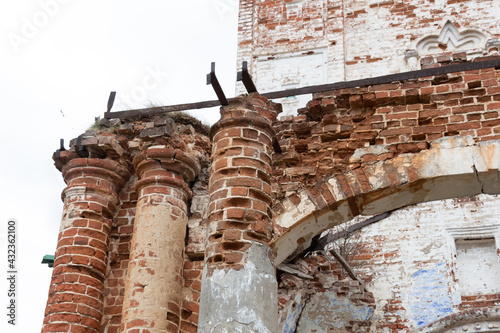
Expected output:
(169, 228)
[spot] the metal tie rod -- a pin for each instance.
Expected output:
(468, 66)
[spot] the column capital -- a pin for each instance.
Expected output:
(100, 175)
(163, 165)
(251, 111)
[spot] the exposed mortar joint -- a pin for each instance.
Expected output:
(91, 270)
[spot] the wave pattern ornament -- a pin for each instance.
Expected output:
(451, 39)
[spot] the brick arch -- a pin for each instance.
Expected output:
(452, 167)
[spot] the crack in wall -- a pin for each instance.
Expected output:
(477, 174)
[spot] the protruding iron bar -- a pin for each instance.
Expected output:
(61, 148)
(111, 100)
(466, 66)
(161, 109)
(212, 79)
(81, 150)
(246, 78)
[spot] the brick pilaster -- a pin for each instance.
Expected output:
(153, 290)
(239, 272)
(76, 293)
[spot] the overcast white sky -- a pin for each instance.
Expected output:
(59, 59)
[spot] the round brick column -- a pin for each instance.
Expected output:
(76, 293)
(239, 289)
(153, 290)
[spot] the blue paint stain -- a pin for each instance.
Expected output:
(338, 309)
(291, 318)
(429, 299)
(326, 310)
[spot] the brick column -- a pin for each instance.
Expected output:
(239, 289)
(153, 290)
(76, 293)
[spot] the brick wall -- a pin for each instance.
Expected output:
(301, 43)
(121, 235)
(416, 259)
(121, 142)
(408, 264)
(191, 295)
(328, 293)
(345, 129)
(339, 133)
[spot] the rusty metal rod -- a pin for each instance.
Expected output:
(468, 66)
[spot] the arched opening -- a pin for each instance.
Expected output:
(412, 274)
(417, 280)
(434, 174)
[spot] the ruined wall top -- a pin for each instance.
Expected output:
(291, 44)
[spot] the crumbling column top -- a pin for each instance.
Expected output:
(170, 159)
(253, 110)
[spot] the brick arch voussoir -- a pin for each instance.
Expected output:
(451, 168)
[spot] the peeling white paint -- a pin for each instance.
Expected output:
(375, 149)
(336, 190)
(413, 258)
(293, 212)
(242, 300)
